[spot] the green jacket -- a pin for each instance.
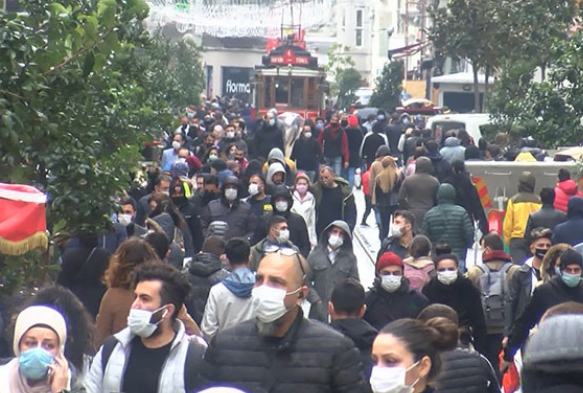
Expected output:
(349, 207)
(449, 223)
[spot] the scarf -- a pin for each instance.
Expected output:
(18, 383)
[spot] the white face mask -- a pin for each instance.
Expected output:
(124, 219)
(335, 241)
(230, 135)
(447, 277)
(167, 193)
(231, 194)
(397, 230)
(308, 134)
(283, 236)
(176, 145)
(390, 283)
(268, 303)
(253, 189)
(139, 321)
(391, 380)
(281, 206)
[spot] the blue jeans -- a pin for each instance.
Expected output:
(348, 174)
(335, 163)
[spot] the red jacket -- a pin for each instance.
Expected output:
(343, 141)
(563, 191)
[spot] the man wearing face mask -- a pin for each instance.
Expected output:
(230, 209)
(271, 351)
(282, 202)
(449, 287)
(332, 261)
(334, 200)
(209, 191)
(128, 216)
(278, 236)
(259, 201)
(401, 235)
(232, 137)
(566, 287)
(161, 185)
(268, 136)
(307, 153)
(334, 144)
(391, 298)
(169, 156)
(153, 354)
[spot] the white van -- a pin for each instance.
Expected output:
(471, 122)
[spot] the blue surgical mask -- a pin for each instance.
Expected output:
(381, 117)
(571, 280)
(34, 363)
(190, 115)
(319, 126)
(271, 122)
(405, 121)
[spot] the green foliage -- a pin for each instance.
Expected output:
(388, 87)
(342, 74)
(82, 86)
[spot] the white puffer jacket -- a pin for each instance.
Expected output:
(172, 375)
(307, 209)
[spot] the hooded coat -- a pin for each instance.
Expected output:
(229, 302)
(354, 137)
(453, 150)
(306, 208)
(362, 335)
(274, 168)
(519, 208)
(371, 144)
(563, 192)
(298, 231)
(449, 223)
(376, 168)
(570, 231)
(324, 274)
(267, 137)
(288, 165)
(348, 213)
(418, 193)
(441, 167)
(202, 272)
(383, 307)
(237, 214)
(467, 197)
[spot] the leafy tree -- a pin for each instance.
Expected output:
(82, 85)
(388, 87)
(348, 81)
(341, 71)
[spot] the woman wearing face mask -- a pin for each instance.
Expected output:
(307, 153)
(391, 297)
(407, 355)
(305, 205)
(40, 366)
(449, 287)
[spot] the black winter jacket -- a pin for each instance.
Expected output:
(544, 297)
(546, 217)
(465, 372)
(370, 144)
(202, 272)
(466, 300)
(520, 290)
(239, 216)
(310, 358)
(266, 138)
(307, 154)
(362, 335)
(354, 136)
(383, 307)
(466, 196)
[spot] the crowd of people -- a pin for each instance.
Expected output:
(204, 279)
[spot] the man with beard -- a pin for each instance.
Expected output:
(153, 354)
(280, 349)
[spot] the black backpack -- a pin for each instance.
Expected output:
(194, 356)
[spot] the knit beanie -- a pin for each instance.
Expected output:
(570, 257)
(35, 316)
(388, 259)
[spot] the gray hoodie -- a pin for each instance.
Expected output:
(452, 150)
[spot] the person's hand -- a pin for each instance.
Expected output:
(59, 370)
(504, 342)
(346, 165)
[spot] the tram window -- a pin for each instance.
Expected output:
(281, 91)
(297, 93)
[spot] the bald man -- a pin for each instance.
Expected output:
(280, 350)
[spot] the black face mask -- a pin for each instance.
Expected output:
(333, 123)
(540, 252)
(344, 123)
(209, 195)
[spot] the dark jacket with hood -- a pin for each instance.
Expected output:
(466, 372)
(466, 196)
(449, 223)
(348, 212)
(544, 297)
(203, 271)
(418, 193)
(354, 137)
(362, 335)
(570, 231)
(167, 224)
(307, 153)
(383, 307)
(546, 217)
(466, 300)
(310, 358)
(371, 143)
(324, 275)
(441, 167)
(237, 214)
(267, 137)
(298, 231)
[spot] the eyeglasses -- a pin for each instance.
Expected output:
(288, 252)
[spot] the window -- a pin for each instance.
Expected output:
(359, 27)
